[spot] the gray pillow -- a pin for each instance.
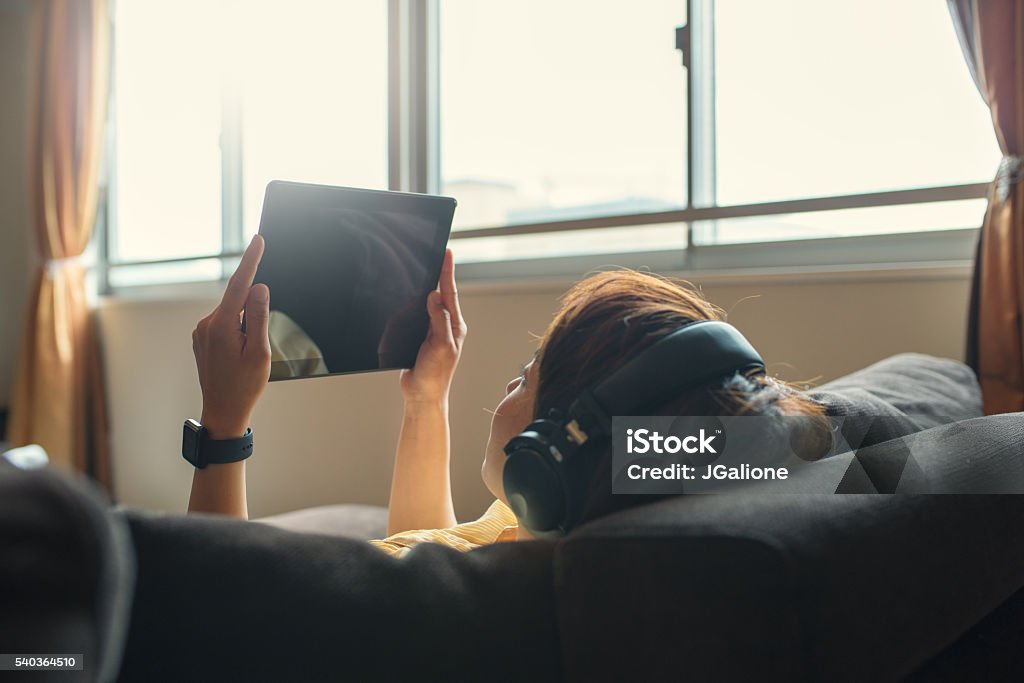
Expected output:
(900, 395)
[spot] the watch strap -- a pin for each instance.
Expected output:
(223, 451)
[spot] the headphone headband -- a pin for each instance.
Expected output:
(695, 354)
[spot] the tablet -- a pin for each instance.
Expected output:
(349, 272)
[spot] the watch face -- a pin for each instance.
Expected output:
(190, 436)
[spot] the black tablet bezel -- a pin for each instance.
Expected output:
(439, 208)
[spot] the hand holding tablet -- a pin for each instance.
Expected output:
(430, 378)
(233, 365)
(337, 281)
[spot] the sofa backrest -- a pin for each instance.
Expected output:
(802, 586)
(221, 599)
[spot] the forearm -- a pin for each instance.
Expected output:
(220, 489)
(421, 494)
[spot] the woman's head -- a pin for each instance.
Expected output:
(603, 322)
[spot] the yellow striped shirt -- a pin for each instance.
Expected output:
(496, 525)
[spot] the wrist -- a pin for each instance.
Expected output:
(221, 428)
(425, 406)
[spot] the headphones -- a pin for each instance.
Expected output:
(544, 477)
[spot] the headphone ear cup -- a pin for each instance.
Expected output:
(534, 491)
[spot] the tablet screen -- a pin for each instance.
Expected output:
(349, 272)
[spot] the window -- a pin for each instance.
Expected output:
(555, 110)
(167, 116)
(568, 128)
(814, 99)
(264, 90)
(874, 115)
(314, 109)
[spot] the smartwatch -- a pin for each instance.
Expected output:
(199, 450)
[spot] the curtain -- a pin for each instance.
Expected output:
(59, 400)
(991, 33)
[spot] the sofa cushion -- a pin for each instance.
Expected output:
(362, 522)
(900, 395)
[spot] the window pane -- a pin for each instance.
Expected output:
(308, 77)
(952, 215)
(167, 119)
(823, 98)
(314, 103)
(556, 110)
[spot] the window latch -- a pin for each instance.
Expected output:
(683, 43)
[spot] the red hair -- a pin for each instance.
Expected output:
(610, 317)
(607, 319)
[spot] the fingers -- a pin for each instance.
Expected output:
(198, 333)
(450, 294)
(446, 283)
(440, 320)
(238, 286)
(257, 320)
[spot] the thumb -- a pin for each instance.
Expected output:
(440, 319)
(257, 317)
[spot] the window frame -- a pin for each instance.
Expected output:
(414, 165)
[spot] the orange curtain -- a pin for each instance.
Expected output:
(58, 400)
(991, 33)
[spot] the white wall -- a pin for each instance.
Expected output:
(331, 440)
(16, 247)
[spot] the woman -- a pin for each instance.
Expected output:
(604, 321)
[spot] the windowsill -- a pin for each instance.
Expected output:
(866, 272)
(903, 257)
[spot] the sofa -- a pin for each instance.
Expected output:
(889, 580)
